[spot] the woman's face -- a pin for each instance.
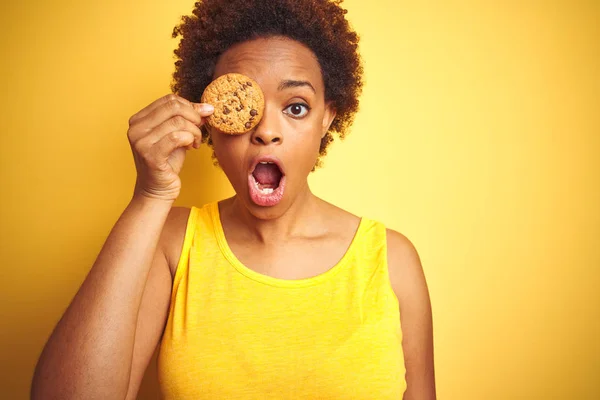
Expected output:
(268, 166)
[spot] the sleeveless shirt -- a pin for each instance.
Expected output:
(233, 333)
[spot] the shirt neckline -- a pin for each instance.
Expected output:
(278, 282)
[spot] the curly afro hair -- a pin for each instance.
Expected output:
(320, 25)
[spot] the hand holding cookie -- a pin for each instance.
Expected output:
(159, 136)
(239, 103)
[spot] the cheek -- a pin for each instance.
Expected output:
(308, 144)
(229, 154)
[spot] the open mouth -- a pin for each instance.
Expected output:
(266, 182)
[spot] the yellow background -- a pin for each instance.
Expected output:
(478, 138)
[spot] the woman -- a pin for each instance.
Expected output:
(294, 299)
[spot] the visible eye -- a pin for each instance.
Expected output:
(297, 110)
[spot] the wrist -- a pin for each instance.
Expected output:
(144, 194)
(147, 201)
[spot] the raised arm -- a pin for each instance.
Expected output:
(92, 352)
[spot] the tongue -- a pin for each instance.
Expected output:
(267, 174)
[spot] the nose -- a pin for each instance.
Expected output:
(267, 131)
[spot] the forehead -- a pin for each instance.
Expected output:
(270, 61)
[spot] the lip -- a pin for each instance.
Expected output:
(266, 158)
(270, 199)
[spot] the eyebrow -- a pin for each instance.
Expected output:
(287, 84)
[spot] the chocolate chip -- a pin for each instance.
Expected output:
(248, 125)
(253, 112)
(249, 83)
(226, 110)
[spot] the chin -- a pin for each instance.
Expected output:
(264, 213)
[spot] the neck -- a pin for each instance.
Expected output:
(300, 219)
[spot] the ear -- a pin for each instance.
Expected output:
(328, 118)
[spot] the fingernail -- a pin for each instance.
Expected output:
(204, 107)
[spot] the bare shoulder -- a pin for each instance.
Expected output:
(404, 265)
(340, 220)
(408, 282)
(173, 235)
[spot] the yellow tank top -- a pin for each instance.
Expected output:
(233, 333)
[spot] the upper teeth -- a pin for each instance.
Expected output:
(266, 162)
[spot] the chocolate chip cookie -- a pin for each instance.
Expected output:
(239, 103)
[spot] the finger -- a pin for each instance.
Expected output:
(171, 109)
(172, 141)
(154, 105)
(204, 109)
(177, 123)
(168, 110)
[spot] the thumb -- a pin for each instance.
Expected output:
(204, 109)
